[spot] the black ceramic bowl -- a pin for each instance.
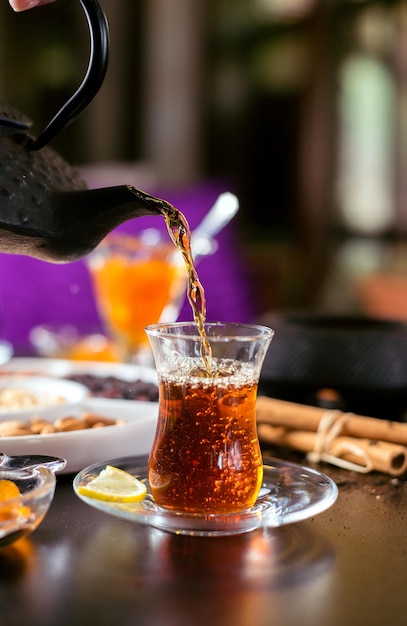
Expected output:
(363, 359)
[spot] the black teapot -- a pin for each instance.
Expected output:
(46, 211)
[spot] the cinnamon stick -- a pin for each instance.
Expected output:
(307, 418)
(376, 455)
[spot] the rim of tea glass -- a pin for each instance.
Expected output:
(249, 332)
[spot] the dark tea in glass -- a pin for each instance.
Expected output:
(206, 457)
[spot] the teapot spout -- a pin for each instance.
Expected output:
(75, 222)
(110, 205)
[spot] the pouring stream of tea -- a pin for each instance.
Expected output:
(180, 234)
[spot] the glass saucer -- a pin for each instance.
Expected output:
(290, 493)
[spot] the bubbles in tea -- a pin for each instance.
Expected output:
(206, 457)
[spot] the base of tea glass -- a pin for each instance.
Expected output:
(137, 281)
(206, 456)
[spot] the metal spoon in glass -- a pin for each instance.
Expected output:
(31, 461)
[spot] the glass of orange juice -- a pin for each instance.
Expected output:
(137, 281)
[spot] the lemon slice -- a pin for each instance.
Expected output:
(114, 485)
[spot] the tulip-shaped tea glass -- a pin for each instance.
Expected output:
(206, 456)
(137, 281)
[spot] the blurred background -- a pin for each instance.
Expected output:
(297, 106)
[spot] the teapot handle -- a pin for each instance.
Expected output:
(98, 60)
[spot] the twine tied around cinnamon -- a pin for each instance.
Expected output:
(329, 429)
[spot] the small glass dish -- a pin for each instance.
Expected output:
(20, 516)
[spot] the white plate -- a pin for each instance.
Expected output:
(41, 394)
(83, 447)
